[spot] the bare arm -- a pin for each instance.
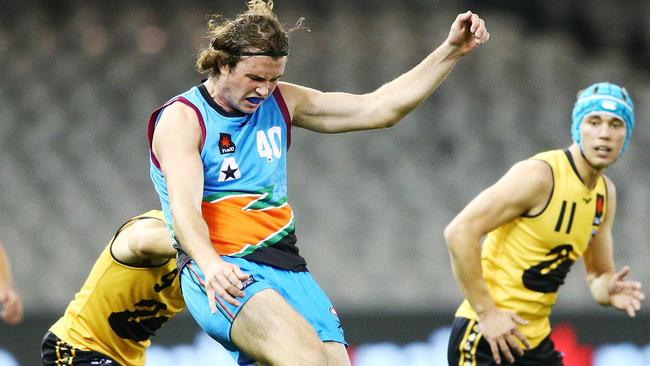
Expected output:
(607, 286)
(342, 112)
(176, 143)
(526, 187)
(11, 304)
(143, 241)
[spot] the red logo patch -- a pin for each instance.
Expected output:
(226, 145)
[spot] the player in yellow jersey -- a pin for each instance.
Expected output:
(540, 217)
(131, 291)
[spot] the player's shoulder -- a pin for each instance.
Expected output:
(294, 93)
(179, 109)
(179, 121)
(533, 171)
(551, 156)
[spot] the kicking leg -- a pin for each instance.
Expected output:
(270, 331)
(337, 354)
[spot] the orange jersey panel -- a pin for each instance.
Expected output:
(239, 224)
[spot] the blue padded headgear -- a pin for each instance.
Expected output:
(603, 98)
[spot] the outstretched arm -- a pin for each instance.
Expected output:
(526, 187)
(608, 287)
(11, 304)
(342, 112)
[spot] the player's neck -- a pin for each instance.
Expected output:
(212, 87)
(589, 174)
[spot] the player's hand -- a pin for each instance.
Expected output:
(467, 32)
(625, 295)
(499, 329)
(225, 280)
(11, 306)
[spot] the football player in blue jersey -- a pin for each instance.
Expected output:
(218, 164)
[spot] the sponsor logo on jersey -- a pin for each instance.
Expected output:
(226, 146)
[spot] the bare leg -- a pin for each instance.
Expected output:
(272, 332)
(337, 355)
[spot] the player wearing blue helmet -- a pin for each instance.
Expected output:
(542, 216)
(603, 98)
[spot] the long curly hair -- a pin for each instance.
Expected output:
(255, 31)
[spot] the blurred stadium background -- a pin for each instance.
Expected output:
(79, 79)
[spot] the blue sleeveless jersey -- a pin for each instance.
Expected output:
(245, 182)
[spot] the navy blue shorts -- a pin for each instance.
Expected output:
(468, 347)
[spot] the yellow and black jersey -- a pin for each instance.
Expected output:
(120, 307)
(525, 261)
